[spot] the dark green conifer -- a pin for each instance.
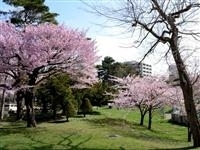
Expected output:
(86, 106)
(70, 110)
(29, 12)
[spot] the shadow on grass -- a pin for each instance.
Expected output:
(12, 128)
(58, 121)
(91, 113)
(65, 143)
(180, 148)
(130, 129)
(113, 122)
(176, 123)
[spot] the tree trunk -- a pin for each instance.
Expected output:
(19, 105)
(29, 109)
(150, 118)
(67, 119)
(44, 107)
(142, 119)
(54, 109)
(187, 89)
(2, 104)
(142, 115)
(2, 101)
(189, 134)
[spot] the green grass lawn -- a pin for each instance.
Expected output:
(111, 129)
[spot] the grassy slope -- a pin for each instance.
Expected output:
(113, 129)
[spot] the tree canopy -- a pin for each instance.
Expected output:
(29, 12)
(41, 51)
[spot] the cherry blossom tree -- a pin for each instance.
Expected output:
(38, 52)
(146, 93)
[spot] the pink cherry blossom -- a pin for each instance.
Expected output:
(145, 93)
(31, 55)
(46, 49)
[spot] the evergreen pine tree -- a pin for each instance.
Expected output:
(30, 12)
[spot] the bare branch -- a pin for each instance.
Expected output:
(150, 50)
(195, 79)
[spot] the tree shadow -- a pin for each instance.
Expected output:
(176, 123)
(65, 143)
(114, 122)
(123, 127)
(12, 128)
(91, 113)
(58, 121)
(8, 130)
(106, 121)
(179, 148)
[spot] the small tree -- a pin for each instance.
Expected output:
(86, 106)
(70, 110)
(145, 93)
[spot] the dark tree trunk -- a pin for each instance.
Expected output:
(44, 107)
(54, 109)
(19, 109)
(150, 118)
(142, 115)
(30, 113)
(189, 134)
(186, 86)
(64, 108)
(2, 101)
(67, 119)
(29, 99)
(142, 119)
(19, 98)
(2, 104)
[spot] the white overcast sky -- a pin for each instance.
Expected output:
(110, 41)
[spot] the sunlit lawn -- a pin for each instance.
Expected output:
(111, 129)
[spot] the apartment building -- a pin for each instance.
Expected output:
(173, 75)
(142, 68)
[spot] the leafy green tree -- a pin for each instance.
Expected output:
(70, 109)
(97, 94)
(54, 94)
(110, 68)
(29, 12)
(106, 70)
(86, 106)
(123, 69)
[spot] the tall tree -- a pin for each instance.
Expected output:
(164, 22)
(42, 51)
(105, 69)
(29, 12)
(109, 67)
